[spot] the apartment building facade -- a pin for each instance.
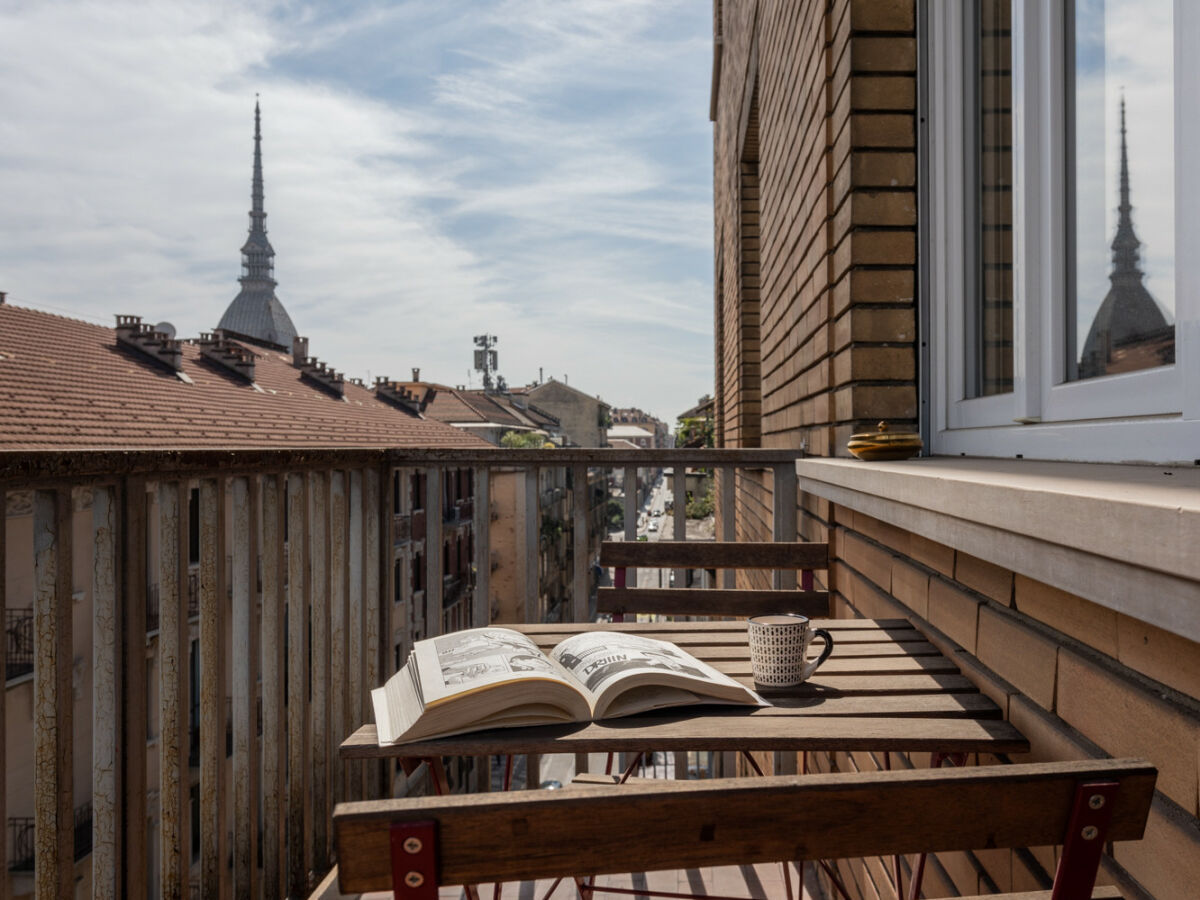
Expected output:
(70, 384)
(974, 220)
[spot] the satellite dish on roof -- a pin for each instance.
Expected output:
(166, 328)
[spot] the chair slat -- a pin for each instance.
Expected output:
(715, 554)
(596, 829)
(712, 602)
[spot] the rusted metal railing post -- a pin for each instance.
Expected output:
(297, 685)
(433, 551)
(52, 704)
(212, 682)
(354, 621)
(533, 545)
(4, 693)
(338, 663)
(242, 578)
(273, 663)
(482, 613)
(134, 501)
(318, 772)
(580, 557)
(374, 558)
(105, 711)
(172, 680)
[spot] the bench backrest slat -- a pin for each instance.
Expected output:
(681, 824)
(715, 555)
(712, 602)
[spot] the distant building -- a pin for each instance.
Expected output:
(487, 414)
(256, 313)
(634, 416)
(634, 435)
(582, 417)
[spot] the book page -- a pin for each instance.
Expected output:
(597, 658)
(466, 661)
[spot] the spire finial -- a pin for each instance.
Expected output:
(1125, 243)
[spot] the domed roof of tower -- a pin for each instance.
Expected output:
(256, 314)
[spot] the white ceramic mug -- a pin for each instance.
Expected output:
(779, 649)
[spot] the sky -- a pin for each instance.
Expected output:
(537, 169)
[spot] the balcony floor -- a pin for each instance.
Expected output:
(758, 882)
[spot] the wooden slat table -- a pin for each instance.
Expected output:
(885, 689)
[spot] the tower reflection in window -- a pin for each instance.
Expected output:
(1121, 201)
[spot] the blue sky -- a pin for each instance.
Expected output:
(539, 169)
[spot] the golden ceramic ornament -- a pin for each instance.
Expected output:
(885, 444)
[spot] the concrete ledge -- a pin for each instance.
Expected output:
(1125, 537)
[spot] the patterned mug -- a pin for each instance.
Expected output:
(779, 649)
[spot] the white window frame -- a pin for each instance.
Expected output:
(1147, 416)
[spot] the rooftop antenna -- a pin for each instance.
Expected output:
(485, 357)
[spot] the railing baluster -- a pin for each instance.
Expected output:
(482, 614)
(783, 519)
(134, 500)
(371, 511)
(728, 521)
(679, 501)
(245, 803)
(105, 665)
(337, 625)
(297, 685)
(212, 688)
(533, 612)
(273, 663)
(318, 771)
(433, 550)
(172, 671)
(631, 517)
(579, 551)
(354, 621)
(52, 720)
(3, 693)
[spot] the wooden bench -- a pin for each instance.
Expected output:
(414, 845)
(783, 556)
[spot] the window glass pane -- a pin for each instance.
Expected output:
(989, 249)
(1121, 297)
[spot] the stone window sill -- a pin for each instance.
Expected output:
(1125, 537)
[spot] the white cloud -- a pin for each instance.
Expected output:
(536, 169)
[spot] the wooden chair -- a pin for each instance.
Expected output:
(680, 601)
(414, 845)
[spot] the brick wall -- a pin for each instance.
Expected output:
(1079, 680)
(814, 150)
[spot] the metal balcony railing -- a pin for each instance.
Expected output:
(308, 630)
(21, 847)
(18, 631)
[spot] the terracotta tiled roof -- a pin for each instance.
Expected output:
(447, 404)
(66, 384)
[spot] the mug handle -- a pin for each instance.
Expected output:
(810, 667)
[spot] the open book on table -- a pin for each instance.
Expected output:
(498, 678)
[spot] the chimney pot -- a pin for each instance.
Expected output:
(299, 348)
(416, 374)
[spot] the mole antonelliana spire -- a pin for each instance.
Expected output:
(1129, 315)
(256, 312)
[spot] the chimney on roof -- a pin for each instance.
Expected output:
(397, 395)
(314, 370)
(225, 352)
(416, 373)
(3, 294)
(299, 349)
(132, 333)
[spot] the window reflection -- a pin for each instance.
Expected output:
(990, 243)
(1122, 194)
